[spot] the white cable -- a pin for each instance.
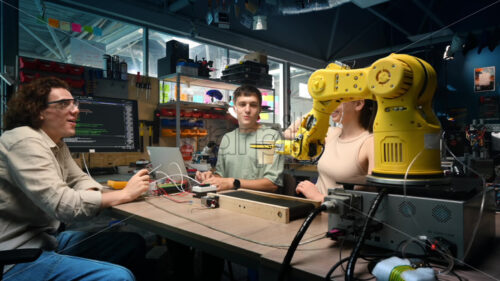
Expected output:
(411, 237)
(483, 200)
(404, 187)
(408, 170)
(85, 163)
(177, 165)
(152, 171)
(179, 187)
(279, 246)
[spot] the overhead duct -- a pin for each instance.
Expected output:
(295, 8)
(363, 4)
(179, 5)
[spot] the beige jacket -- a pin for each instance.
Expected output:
(40, 185)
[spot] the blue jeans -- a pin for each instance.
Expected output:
(82, 259)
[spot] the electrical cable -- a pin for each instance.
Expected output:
(411, 237)
(342, 266)
(277, 246)
(459, 278)
(332, 269)
(361, 239)
(85, 163)
(295, 242)
(483, 200)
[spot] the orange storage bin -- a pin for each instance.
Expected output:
(201, 132)
(168, 133)
(188, 133)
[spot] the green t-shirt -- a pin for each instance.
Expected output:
(237, 159)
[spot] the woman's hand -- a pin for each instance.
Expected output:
(310, 191)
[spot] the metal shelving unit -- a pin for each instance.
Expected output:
(200, 82)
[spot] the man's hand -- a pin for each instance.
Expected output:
(137, 185)
(310, 191)
(203, 176)
(221, 183)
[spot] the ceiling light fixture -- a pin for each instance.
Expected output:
(447, 55)
(260, 23)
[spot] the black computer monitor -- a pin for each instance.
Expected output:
(105, 125)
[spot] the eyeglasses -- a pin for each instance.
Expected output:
(65, 104)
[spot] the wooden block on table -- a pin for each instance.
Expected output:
(270, 206)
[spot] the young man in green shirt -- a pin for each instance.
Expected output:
(238, 165)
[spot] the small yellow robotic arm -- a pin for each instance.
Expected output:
(405, 128)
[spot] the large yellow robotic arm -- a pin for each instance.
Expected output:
(405, 128)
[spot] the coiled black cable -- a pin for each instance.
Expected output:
(332, 269)
(295, 243)
(361, 238)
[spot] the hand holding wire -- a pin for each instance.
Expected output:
(137, 185)
(221, 183)
(203, 176)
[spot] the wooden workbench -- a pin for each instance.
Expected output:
(193, 226)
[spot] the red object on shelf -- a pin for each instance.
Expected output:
(77, 84)
(25, 63)
(75, 70)
(26, 78)
(163, 112)
(197, 114)
(207, 115)
(188, 113)
(169, 112)
(61, 68)
(46, 65)
(187, 152)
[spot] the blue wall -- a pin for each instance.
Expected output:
(459, 73)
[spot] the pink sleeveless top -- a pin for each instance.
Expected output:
(339, 161)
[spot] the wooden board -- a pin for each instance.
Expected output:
(147, 101)
(259, 209)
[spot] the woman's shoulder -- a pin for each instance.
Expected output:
(368, 138)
